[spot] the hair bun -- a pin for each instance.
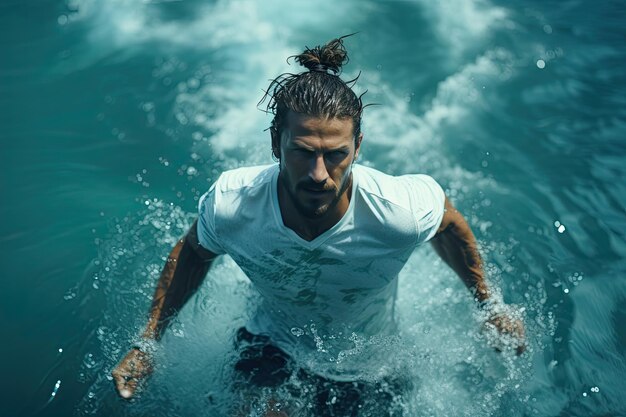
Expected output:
(329, 57)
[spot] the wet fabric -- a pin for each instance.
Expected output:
(322, 299)
(264, 366)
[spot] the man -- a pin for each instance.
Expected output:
(322, 239)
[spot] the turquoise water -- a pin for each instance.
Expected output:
(117, 115)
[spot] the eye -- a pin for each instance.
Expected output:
(336, 156)
(303, 152)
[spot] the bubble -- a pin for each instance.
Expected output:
(62, 19)
(559, 227)
(55, 389)
(547, 29)
(60, 350)
(297, 332)
(88, 361)
(193, 83)
(541, 64)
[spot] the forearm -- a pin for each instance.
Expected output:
(180, 278)
(457, 246)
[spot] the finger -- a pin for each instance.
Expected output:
(129, 389)
(121, 379)
(126, 382)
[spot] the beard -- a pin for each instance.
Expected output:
(316, 211)
(312, 212)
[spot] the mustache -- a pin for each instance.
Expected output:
(312, 186)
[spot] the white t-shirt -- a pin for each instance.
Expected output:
(320, 298)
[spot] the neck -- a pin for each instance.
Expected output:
(308, 228)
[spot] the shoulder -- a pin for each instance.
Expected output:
(410, 192)
(413, 204)
(234, 186)
(243, 178)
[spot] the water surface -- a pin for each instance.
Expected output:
(116, 116)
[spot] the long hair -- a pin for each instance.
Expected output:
(318, 92)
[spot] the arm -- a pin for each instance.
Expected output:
(184, 271)
(455, 243)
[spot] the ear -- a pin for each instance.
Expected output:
(357, 146)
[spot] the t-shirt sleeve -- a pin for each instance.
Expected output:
(207, 234)
(427, 204)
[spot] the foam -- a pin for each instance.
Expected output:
(462, 24)
(413, 141)
(254, 39)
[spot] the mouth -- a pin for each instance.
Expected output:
(316, 191)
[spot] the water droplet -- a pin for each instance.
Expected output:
(55, 389)
(559, 226)
(297, 332)
(193, 83)
(541, 64)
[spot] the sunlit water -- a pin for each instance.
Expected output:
(117, 115)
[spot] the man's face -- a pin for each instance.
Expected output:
(316, 156)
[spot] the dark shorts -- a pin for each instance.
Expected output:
(265, 366)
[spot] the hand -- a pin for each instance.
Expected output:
(131, 370)
(510, 330)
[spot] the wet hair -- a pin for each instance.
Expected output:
(318, 92)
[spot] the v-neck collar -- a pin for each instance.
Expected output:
(324, 236)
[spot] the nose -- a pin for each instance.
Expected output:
(318, 171)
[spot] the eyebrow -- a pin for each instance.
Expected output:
(296, 145)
